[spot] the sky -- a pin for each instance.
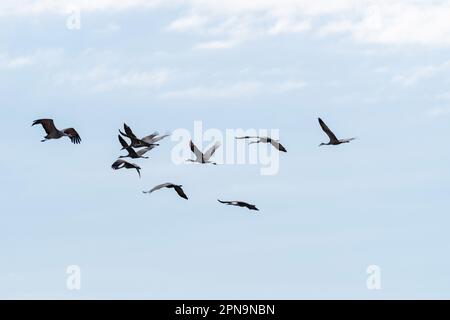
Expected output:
(375, 70)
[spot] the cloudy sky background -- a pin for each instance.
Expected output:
(378, 70)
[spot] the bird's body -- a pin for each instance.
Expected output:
(148, 141)
(54, 133)
(240, 204)
(203, 158)
(121, 164)
(134, 154)
(333, 139)
(273, 142)
(177, 188)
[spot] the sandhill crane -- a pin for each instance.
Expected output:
(147, 141)
(120, 164)
(133, 153)
(54, 133)
(273, 142)
(240, 204)
(333, 139)
(178, 189)
(203, 157)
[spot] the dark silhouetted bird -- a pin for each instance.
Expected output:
(147, 141)
(273, 142)
(333, 139)
(240, 204)
(177, 188)
(54, 133)
(134, 154)
(121, 164)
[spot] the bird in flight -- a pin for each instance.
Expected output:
(120, 164)
(203, 157)
(54, 133)
(177, 188)
(240, 204)
(147, 141)
(273, 142)
(133, 153)
(333, 139)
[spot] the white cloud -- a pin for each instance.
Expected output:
(134, 79)
(439, 112)
(285, 26)
(241, 89)
(289, 86)
(420, 73)
(220, 91)
(102, 79)
(110, 28)
(401, 22)
(387, 22)
(39, 57)
(218, 44)
(187, 23)
(61, 7)
(443, 96)
(7, 62)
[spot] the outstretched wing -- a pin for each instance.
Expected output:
(225, 202)
(327, 130)
(138, 169)
(211, 151)
(346, 140)
(132, 153)
(123, 142)
(128, 132)
(180, 192)
(158, 138)
(143, 151)
(47, 124)
(195, 150)
(247, 205)
(73, 135)
(164, 185)
(150, 138)
(118, 164)
(278, 145)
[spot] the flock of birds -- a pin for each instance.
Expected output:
(138, 147)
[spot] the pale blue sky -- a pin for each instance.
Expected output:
(380, 73)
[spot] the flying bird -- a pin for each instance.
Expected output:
(240, 204)
(155, 137)
(147, 141)
(273, 142)
(203, 157)
(120, 164)
(333, 139)
(54, 133)
(177, 188)
(133, 153)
